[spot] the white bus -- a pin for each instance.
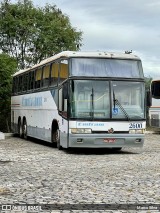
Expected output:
(154, 105)
(81, 99)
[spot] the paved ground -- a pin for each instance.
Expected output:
(33, 172)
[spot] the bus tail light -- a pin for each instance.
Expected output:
(81, 131)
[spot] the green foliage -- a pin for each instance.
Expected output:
(31, 34)
(8, 66)
(148, 82)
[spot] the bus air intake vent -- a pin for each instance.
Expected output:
(155, 120)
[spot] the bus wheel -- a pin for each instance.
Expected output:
(56, 138)
(20, 132)
(25, 129)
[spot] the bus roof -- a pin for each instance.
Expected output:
(71, 54)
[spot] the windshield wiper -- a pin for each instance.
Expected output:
(92, 104)
(116, 102)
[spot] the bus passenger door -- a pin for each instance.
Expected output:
(63, 112)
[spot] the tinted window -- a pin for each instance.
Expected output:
(38, 78)
(106, 68)
(20, 83)
(45, 77)
(31, 80)
(54, 74)
(25, 82)
(155, 89)
(63, 71)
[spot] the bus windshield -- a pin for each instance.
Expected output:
(106, 67)
(91, 99)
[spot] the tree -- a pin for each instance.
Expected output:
(31, 34)
(148, 80)
(8, 66)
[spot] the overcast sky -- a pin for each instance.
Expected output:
(116, 25)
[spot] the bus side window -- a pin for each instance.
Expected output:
(45, 77)
(63, 74)
(54, 74)
(63, 98)
(155, 89)
(31, 80)
(14, 85)
(20, 83)
(25, 82)
(38, 77)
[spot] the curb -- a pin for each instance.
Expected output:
(152, 132)
(149, 132)
(7, 135)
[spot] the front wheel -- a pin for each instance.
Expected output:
(56, 138)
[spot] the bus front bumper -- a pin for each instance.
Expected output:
(106, 140)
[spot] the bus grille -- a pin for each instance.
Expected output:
(106, 132)
(155, 120)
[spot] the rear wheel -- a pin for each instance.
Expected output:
(25, 129)
(20, 132)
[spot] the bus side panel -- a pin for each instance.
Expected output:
(39, 110)
(42, 134)
(154, 117)
(63, 126)
(154, 113)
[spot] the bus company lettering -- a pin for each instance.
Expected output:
(35, 101)
(89, 124)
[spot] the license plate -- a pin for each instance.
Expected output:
(109, 140)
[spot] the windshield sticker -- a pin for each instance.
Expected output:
(115, 111)
(89, 124)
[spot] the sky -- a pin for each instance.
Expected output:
(116, 26)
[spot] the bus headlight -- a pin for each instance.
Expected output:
(136, 131)
(80, 131)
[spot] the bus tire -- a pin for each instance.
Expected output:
(20, 131)
(58, 140)
(55, 137)
(25, 129)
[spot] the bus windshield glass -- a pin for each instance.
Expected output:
(99, 67)
(95, 99)
(128, 101)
